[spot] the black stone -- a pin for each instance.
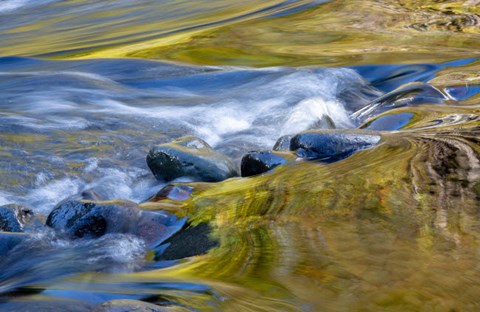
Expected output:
(90, 226)
(190, 157)
(14, 217)
(90, 219)
(258, 162)
(330, 146)
(190, 241)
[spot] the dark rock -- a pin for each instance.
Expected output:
(330, 146)
(13, 217)
(90, 219)
(155, 226)
(389, 122)
(87, 219)
(283, 143)
(174, 192)
(191, 157)
(128, 305)
(258, 162)
(190, 241)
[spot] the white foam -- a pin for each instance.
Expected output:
(309, 112)
(246, 114)
(45, 197)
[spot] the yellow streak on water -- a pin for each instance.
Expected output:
(336, 33)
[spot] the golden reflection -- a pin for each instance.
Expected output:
(335, 33)
(391, 228)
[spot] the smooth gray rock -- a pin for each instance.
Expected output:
(190, 157)
(258, 162)
(332, 145)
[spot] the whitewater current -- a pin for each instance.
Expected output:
(71, 126)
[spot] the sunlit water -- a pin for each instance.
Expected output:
(394, 227)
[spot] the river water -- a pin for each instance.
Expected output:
(88, 87)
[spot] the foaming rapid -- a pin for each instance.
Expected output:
(70, 126)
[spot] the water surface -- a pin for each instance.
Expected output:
(86, 88)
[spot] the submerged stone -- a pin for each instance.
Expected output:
(258, 162)
(87, 219)
(283, 143)
(331, 146)
(91, 219)
(190, 241)
(189, 157)
(174, 192)
(13, 217)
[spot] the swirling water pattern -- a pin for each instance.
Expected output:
(393, 227)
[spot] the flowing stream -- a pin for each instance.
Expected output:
(88, 87)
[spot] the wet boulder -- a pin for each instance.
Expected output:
(191, 240)
(88, 219)
(258, 162)
(189, 157)
(14, 217)
(330, 146)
